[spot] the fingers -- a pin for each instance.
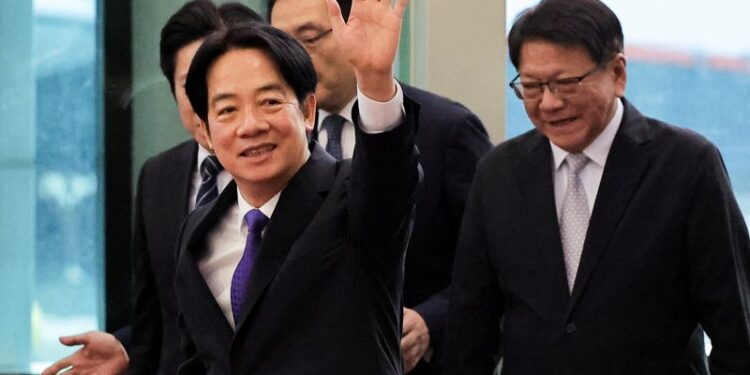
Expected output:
(334, 15)
(410, 352)
(58, 366)
(82, 339)
(408, 341)
(400, 7)
(410, 321)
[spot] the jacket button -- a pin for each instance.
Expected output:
(570, 328)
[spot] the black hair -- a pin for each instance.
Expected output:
(345, 5)
(235, 14)
(589, 24)
(193, 21)
(290, 58)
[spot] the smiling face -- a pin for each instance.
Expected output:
(573, 123)
(256, 125)
(307, 21)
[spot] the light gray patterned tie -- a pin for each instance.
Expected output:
(574, 219)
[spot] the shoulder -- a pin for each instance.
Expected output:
(513, 149)
(660, 137)
(181, 154)
(435, 107)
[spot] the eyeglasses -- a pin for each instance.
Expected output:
(562, 88)
(312, 42)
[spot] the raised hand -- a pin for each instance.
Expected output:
(370, 40)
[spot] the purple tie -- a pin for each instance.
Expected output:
(256, 221)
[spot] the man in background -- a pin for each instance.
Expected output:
(450, 140)
(170, 185)
(602, 240)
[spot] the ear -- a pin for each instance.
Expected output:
(309, 110)
(620, 74)
(204, 134)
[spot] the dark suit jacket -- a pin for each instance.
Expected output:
(666, 250)
(161, 205)
(325, 291)
(450, 139)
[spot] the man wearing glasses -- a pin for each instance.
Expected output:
(602, 240)
(450, 139)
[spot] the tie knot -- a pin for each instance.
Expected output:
(333, 123)
(210, 167)
(576, 162)
(256, 221)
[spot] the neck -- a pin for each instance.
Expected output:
(336, 108)
(257, 196)
(258, 193)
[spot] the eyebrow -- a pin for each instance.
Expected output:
(221, 96)
(271, 87)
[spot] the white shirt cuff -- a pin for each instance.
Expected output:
(379, 117)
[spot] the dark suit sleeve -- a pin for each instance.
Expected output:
(468, 143)
(719, 261)
(472, 330)
(384, 180)
(145, 345)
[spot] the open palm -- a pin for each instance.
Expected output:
(369, 39)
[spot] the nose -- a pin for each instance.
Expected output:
(251, 124)
(549, 101)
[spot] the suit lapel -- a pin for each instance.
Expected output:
(626, 164)
(297, 205)
(535, 177)
(198, 297)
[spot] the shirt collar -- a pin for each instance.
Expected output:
(202, 155)
(598, 150)
(267, 209)
(345, 112)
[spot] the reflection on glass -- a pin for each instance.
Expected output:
(56, 242)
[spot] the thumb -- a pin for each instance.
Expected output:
(334, 15)
(81, 339)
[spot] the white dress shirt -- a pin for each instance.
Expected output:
(591, 174)
(226, 241)
(222, 180)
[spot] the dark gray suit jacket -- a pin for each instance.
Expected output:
(666, 250)
(450, 139)
(325, 291)
(162, 202)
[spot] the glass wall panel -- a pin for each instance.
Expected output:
(51, 227)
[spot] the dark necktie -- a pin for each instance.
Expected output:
(256, 221)
(210, 168)
(333, 125)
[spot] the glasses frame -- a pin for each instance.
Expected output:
(518, 89)
(311, 43)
